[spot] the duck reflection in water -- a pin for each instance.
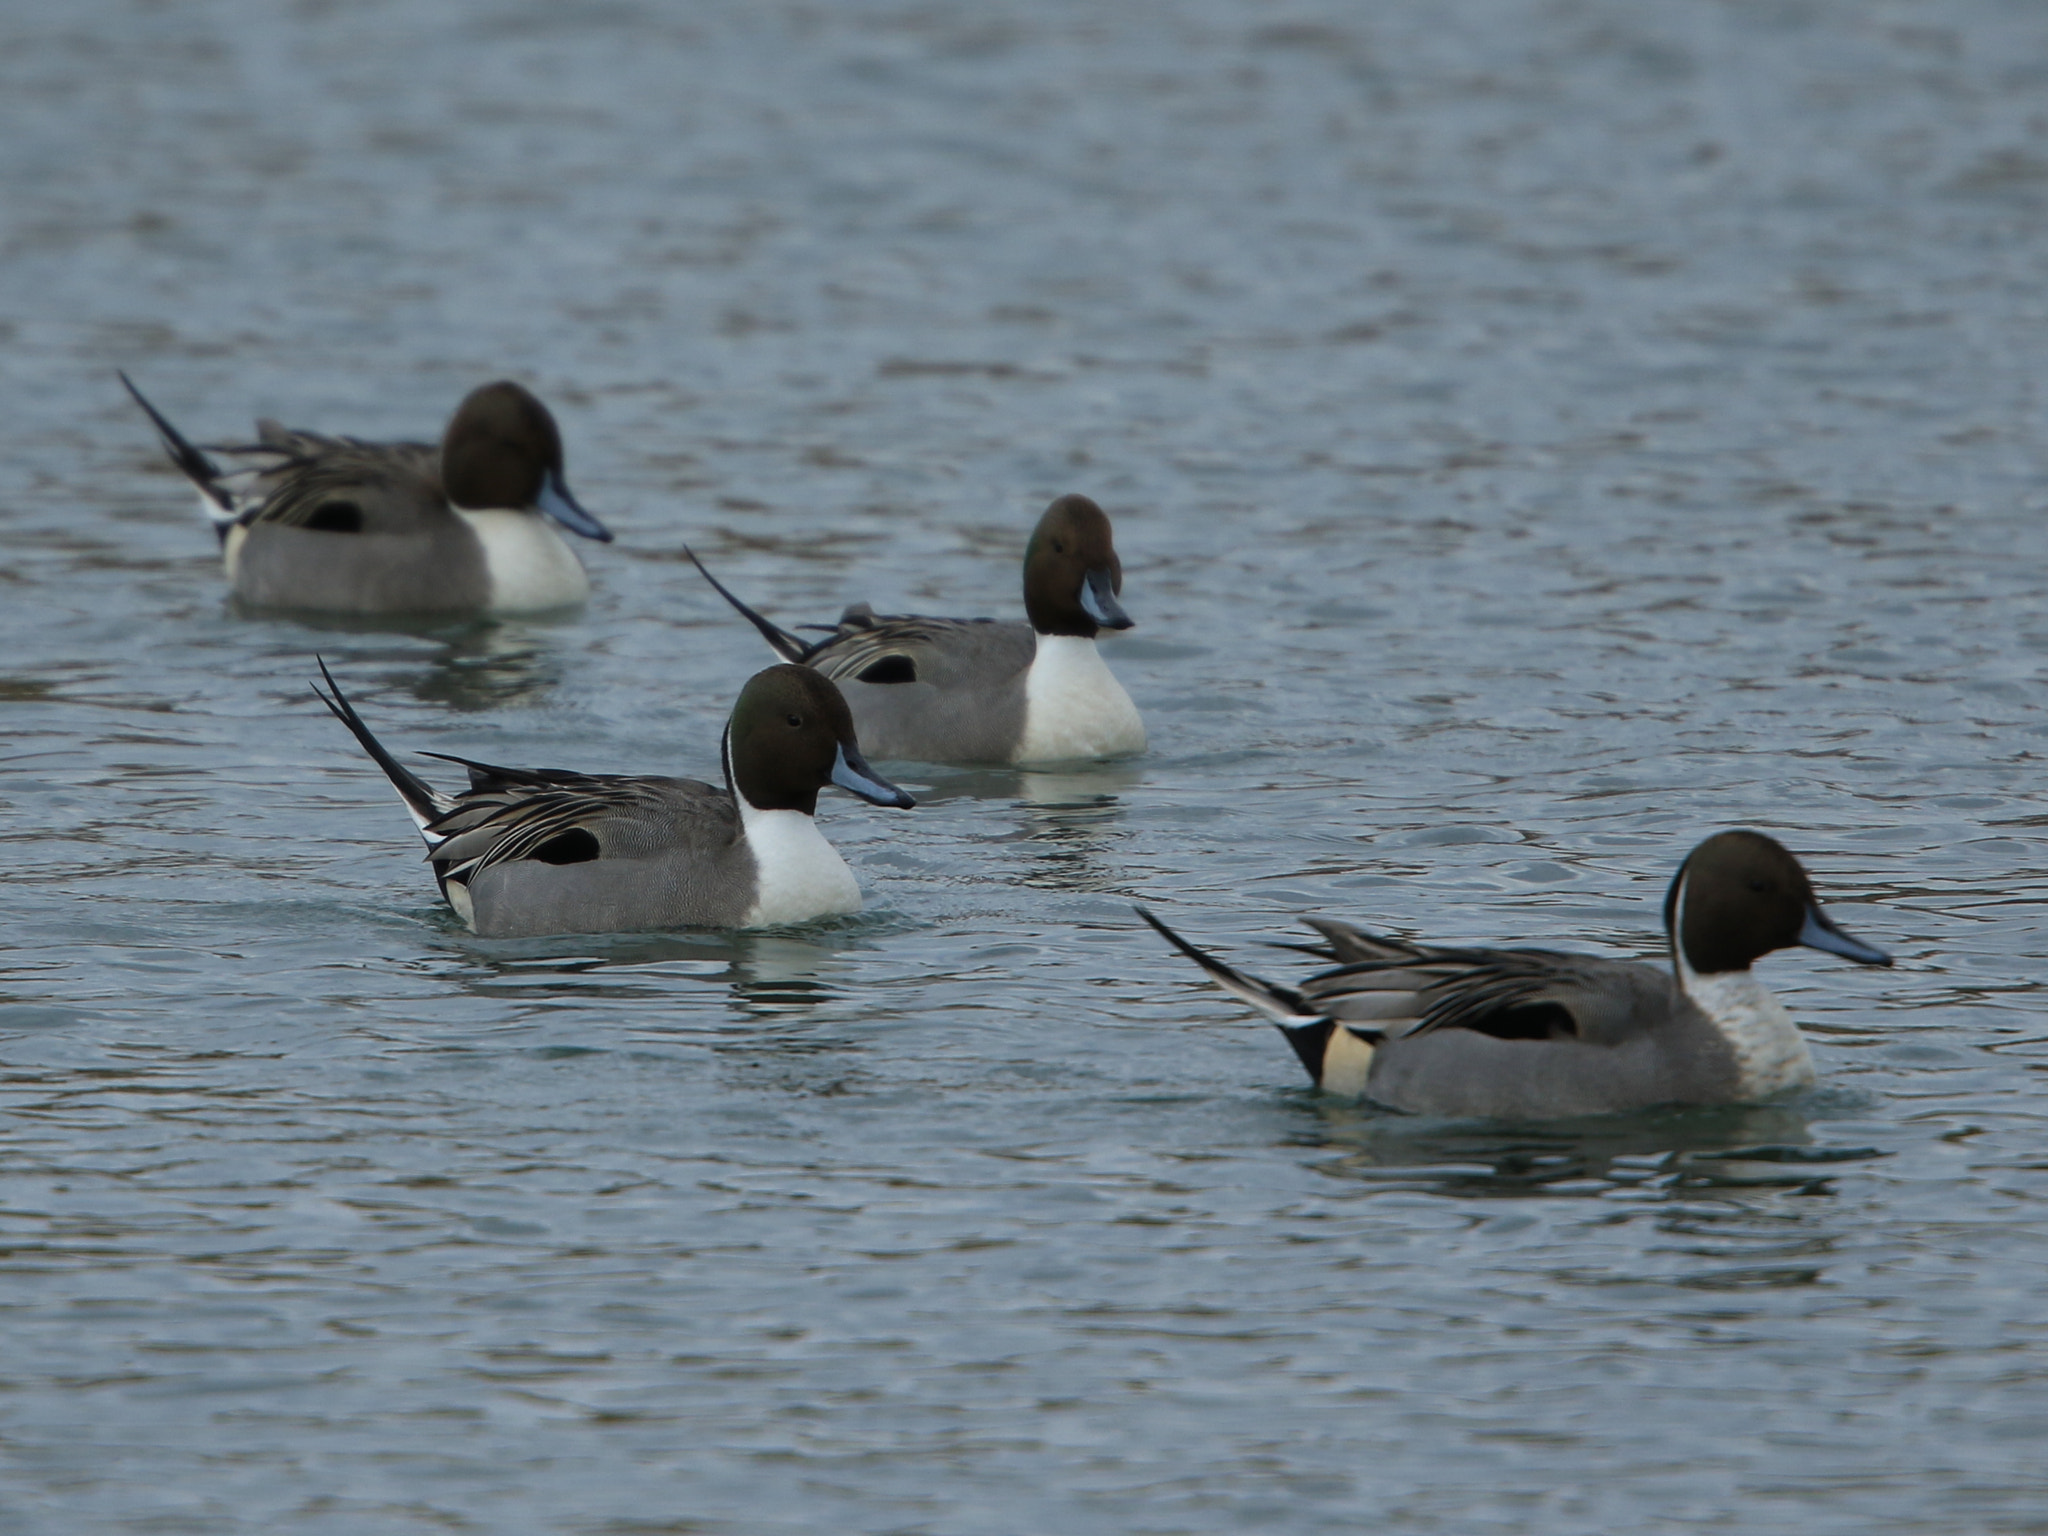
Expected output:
(474, 664)
(489, 664)
(1070, 816)
(1664, 1154)
(767, 974)
(1073, 822)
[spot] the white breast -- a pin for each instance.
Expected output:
(1770, 1053)
(801, 875)
(531, 566)
(1074, 706)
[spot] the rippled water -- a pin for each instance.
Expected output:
(1537, 434)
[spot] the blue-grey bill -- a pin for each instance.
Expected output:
(557, 503)
(1098, 600)
(1820, 932)
(852, 774)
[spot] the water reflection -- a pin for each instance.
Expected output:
(1661, 1154)
(1071, 818)
(490, 665)
(1071, 815)
(474, 664)
(765, 974)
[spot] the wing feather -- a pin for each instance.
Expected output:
(300, 476)
(515, 813)
(1514, 994)
(865, 642)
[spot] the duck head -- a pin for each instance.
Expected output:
(1071, 573)
(1740, 895)
(503, 451)
(790, 735)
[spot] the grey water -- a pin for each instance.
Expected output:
(1537, 434)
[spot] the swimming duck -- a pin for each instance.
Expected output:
(1528, 1034)
(983, 691)
(527, 851)
(337, 525)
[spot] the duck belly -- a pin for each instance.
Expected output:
(527, 898)
(274, 565)
(1462, 1073)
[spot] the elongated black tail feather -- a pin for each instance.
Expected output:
(191, 462)
(1349, 945)
(492, 776)
(785, 645)
(1283, 1005)
(421, 798)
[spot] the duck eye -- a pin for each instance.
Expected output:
(1760, 886)
(796, 721)
(1059, 546)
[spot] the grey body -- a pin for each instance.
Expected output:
(437, 572)
(1530, 1034)
(961, 690)
(1639, 1041)
(672, 856)
(528, 851)
(967, 704)
(338, 525)
(413, 554)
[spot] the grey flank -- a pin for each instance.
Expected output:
(1633, 1038)
(1525, 1034)
(966, 703)
(339, 525)
(406, 550)
(527, 851)
(673, 854)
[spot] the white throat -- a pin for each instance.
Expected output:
(1770, 1054)
(531, 566)
(1074, 706)
(797, 874)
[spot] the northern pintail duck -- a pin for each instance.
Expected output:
(527, 851)
(982, 691)
(342, 526)
(1527, 1034)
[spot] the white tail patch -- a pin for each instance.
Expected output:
(216, 515)
(1259, 994)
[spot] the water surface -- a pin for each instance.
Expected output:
(1537, 436)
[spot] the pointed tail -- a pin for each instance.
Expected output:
(191, 462)
(1283, 1005)
(422, 800)
(784, 644)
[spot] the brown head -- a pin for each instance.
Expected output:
(1740, 895)
(1071, 572)
(502, 451)
(790, 735)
